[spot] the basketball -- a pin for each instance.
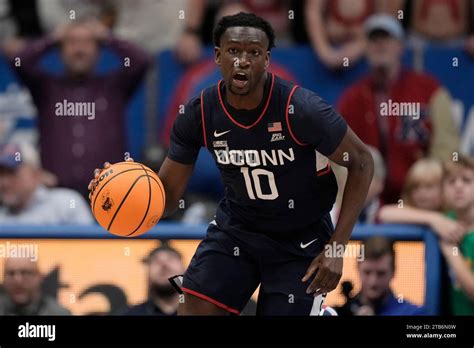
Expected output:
(127, 199)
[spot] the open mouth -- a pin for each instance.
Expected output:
(240, 79)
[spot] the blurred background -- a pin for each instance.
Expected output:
(88, 81)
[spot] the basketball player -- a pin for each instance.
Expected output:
(271, 141)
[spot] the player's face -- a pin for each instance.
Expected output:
(17, 185)
(427, 195)
(375, 276)
(79, 50)
(458, 189)
(243, 58)
(163, 265)
(383, 50)
(21, 280)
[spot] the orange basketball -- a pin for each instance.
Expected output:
(127, 199)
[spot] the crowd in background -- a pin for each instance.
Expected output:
(420, 176)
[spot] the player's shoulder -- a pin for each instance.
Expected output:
(304, 99)
(193, 107)
(202, 96)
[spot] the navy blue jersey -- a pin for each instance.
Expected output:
(272, 160)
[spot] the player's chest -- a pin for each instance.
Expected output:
(266, 145)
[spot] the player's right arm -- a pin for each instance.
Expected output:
(175, 177)
(185, 142)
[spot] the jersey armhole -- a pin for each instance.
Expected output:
(202, 120)
(287, 117)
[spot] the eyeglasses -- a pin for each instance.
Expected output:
(24, 273)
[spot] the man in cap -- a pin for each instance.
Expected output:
(24, 199)
(406, 115)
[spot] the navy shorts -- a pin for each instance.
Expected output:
(228, 266)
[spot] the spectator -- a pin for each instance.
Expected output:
(56, 13)
(376, 272)
(421, 202)
(81, 114)
(139, 21)
(19, 20)
(23, 295)
(422, 187)
(336, 29)
(162, 263)
(424, 18)
(458, 189)
(26, 200)
(189, 45)
(404, 114)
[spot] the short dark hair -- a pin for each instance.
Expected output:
(378, 246)
(160, 249)
(243, 19)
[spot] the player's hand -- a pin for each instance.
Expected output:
(448, 230)
(329, 272)
(97, 172)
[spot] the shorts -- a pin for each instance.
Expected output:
(228, 266)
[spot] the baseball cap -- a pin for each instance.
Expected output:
(12, 155)
(386, 23)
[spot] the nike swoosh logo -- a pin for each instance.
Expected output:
(302, 246)
(217, 135)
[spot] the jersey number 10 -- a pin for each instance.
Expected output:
(255, 177)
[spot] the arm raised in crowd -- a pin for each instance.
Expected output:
(447, 229)
(135, 60)
(25, 59)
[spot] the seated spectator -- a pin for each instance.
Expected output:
(422, 188)
(376, 271)
(404, 114)
(162, 263)
(25, 200)
(139, 21)
(189, 45)
(421, 202)
(446, 22)
(23, 295)
(55, 13)
(81, 114)
(458, 190)
(336, 29)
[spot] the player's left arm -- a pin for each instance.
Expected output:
(353, 155)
